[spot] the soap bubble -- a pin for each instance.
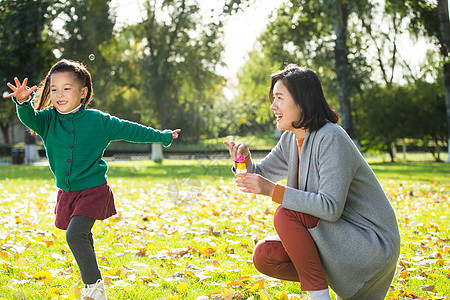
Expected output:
(91, 56)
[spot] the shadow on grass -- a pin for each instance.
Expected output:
(171, 171)
(25, 172)
(132, 169)
(421, 171)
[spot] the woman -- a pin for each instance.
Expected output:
(335, 224)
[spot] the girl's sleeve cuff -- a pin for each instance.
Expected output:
(278, 193)
(27, 102)
(167, 138)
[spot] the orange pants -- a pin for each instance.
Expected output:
(296, 257)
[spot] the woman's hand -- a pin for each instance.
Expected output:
(255, 183)
(21, 92)
(175, 133)
(237, 149)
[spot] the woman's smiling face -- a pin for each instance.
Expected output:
(284, 107)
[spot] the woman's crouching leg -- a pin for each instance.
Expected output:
(292, 228)
(270, 258)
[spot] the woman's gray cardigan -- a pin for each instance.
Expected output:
(357, 237)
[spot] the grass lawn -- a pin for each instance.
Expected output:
(183, 232)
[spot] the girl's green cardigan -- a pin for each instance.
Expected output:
(75, 143)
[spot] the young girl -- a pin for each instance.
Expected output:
(75, 138)
(335, 224)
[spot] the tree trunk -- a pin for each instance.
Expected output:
(437, 150)
(5, 131)
(447, 103)
(404, 150)
(342, 68)
(391, 151)
(444, 29)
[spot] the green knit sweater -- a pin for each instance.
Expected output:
(75, 143)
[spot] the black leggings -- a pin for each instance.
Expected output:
(80, 241)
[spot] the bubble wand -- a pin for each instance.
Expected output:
(240, 165)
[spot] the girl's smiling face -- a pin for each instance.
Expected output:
(66, 91)
(285, 108)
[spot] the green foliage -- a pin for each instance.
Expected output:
(179, 57)
(252, 104)
(25, 44)
(160, 72)
(120, 92)
(390, 113)
(383, 117)
(88, 27)
(163, 70)
(431, 18)
(421, 13)
(25, 48)
(322, 34)
(304, 32)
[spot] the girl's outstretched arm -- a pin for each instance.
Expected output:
(21, 92)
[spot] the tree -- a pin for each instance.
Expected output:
(163, 69)
(317, 34)
(385, 113)
(88, 27)
(178, 58)
(444, 39)
(341, 61)
(433, 19)
(87, 30)
(25, 47)
(252, 103)
(413, 111)
(429, 108)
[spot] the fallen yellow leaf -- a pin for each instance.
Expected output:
(74, 292)
(182, 287)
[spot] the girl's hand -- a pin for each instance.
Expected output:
(255, 183)
(21, 92)
(237, 149)
(175, 133)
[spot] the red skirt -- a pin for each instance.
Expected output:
(96, 203)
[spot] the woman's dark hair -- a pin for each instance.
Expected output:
(64, 65)
(306, 90)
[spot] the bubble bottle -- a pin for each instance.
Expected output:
(240, 165)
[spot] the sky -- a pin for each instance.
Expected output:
(240, 32)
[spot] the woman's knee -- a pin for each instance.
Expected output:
(259, 255)
(265, 256)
